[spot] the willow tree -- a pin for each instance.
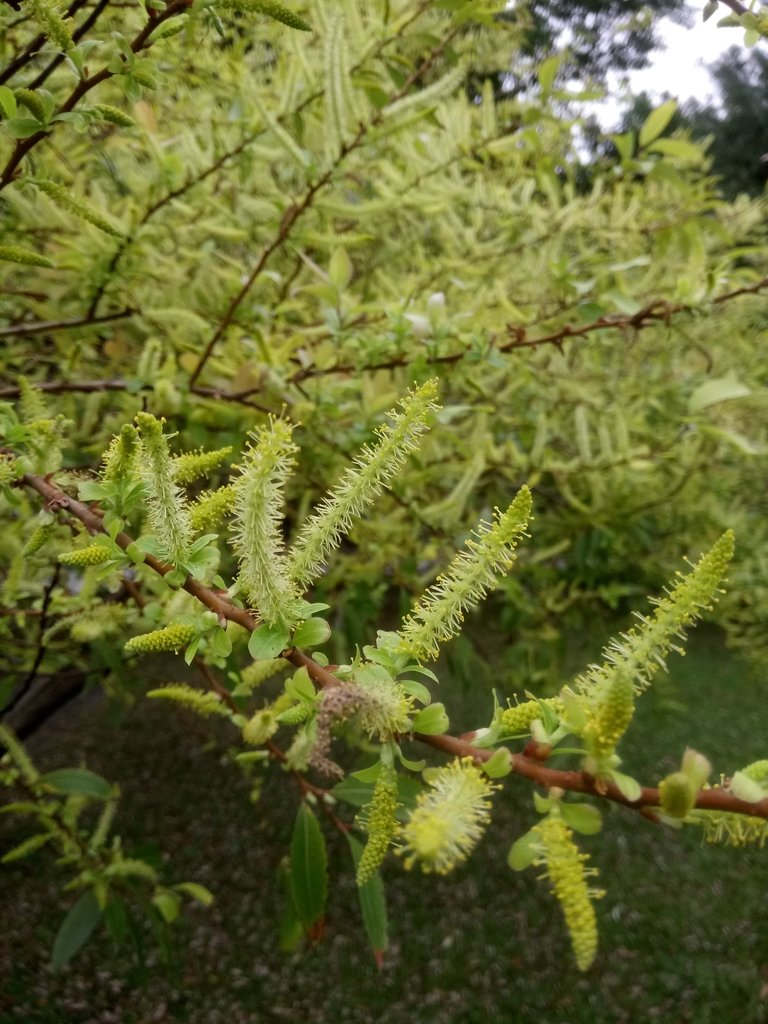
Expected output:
(207, 319)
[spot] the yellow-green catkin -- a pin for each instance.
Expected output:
(257, 535)
(518, 719)
(205, 704)
(610, 714)
(374, 467)
(677, 795)
(260, 727)
(114, 115)
(259, 672)
(9, 470)
(63, 198)
(38, 538)
(191, 465)
(211, 508)
(48, 16)
(121, 459)
(474, 572)
(167, 507)
(15, 254)
(32, 405)
(170, 638)
(33, 101)
(94, 554)
(379, 819)
(449, 818)
(13, 579)
(18, 754)
(568, 878)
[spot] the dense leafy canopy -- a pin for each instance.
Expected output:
(253, 235)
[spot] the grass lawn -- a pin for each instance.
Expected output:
(684, 927)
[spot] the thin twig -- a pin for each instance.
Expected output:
(218, 602)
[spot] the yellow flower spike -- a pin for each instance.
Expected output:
(171, 638)
(568, 877)
(378, 819)
(94, 554)
(518, 718)
(449, 819)
(611, 714)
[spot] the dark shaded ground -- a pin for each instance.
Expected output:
(684, 928)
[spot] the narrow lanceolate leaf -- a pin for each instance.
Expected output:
(257, 533)
(79, 782)
(309, 863)
(76, 929)
(374, 469)
(473, 573)
(64, 199)
(373, 904)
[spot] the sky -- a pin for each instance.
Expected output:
(680, 68)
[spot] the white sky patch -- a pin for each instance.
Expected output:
(680, 69)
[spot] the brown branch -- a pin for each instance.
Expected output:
(218, 602)
(41, 326)
(658, 310)
(580, 782)
(60, 387)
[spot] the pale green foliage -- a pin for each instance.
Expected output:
(374, 467)
(440, 612)
(63, 198)
(257, 535)
(167, 508)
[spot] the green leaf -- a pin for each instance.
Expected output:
(116, 918)
(196, 891)
(312, 633)
(417, 690)
(721, 389)
(7, 101)
(76, 929)
(547, 72)
(583, 818)
(523, 851)
(168, 903)
(309, 863)
(267, 642)
(340, 269)
(221, 644)
(628, 787)
(79, 782)
(23, 127)
(688, 152)
(498, 765)
(300, 687)
(372, 904)
(353, 791)
(431, 721)
(656, 122)
(369, 774)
